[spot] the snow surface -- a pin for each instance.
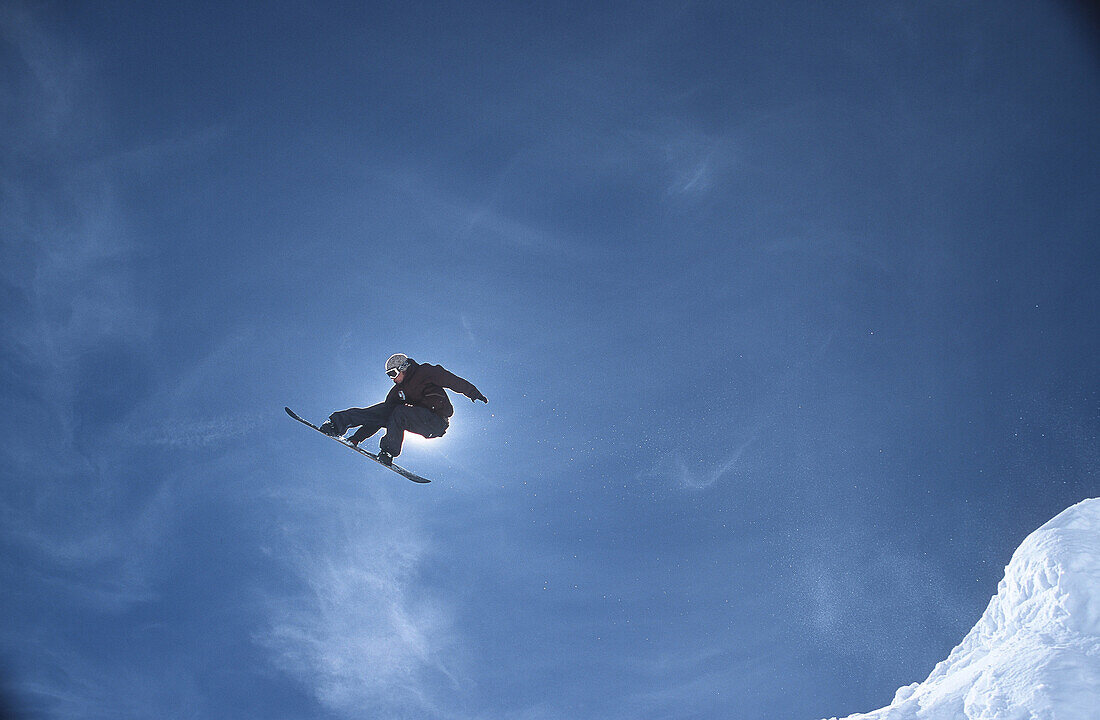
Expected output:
(1035, 653)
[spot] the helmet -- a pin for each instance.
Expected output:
(397, 362)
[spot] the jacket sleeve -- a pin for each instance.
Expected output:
(445, 378)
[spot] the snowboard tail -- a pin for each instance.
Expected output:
(396, 468)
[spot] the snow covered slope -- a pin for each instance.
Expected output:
(1035, 653)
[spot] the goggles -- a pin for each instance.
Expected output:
(393, 372)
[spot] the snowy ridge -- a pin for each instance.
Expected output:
(1035, 653)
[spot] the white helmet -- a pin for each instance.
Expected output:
(397, 362)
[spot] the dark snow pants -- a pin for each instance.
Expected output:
(421, 421)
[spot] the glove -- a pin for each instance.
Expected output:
(480, 397)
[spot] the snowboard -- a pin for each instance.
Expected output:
(396, 468)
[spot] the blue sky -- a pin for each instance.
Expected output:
(785, 312)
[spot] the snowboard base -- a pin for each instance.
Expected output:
(396, 468)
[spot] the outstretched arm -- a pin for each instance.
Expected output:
(446, 378)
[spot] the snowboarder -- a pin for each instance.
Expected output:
(417, 403)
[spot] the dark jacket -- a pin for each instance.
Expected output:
(423, 387)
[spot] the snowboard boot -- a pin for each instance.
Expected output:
(385, 458)
(329, 429)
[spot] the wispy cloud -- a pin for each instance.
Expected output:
(179, 414)
(675, 468)
(696, 688)
(54, 72)
(80, 686)
(68, 256)
(95, 548)
(365, 633)
(203, 432)
(693, 161)
(484, 220)
(848, 577)
(74, 529)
